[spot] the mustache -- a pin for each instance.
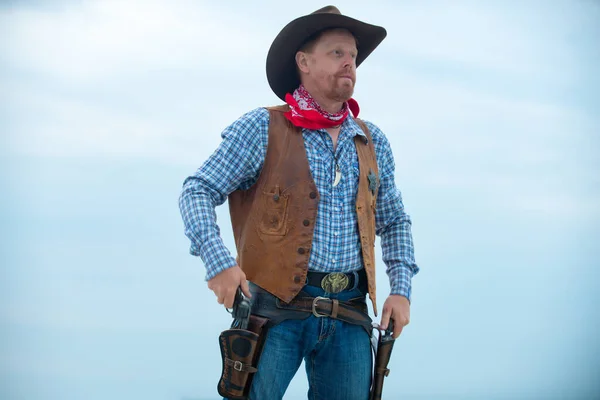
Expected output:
(346, 72)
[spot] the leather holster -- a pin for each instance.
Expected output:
(240, 353)
(383, 353)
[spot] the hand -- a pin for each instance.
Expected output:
(398, 308)
(225, 285)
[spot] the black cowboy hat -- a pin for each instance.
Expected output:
(281, 59)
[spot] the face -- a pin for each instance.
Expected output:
(329, 66)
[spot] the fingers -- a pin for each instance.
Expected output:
(225, 296)
(385, 317)
(220, 296)
(399, 323)
(229, 297)
(225, 284)
(245, 288)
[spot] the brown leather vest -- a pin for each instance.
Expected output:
(273, 221)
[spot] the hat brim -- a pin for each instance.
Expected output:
(281, 59)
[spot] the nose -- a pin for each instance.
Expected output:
(349, 61)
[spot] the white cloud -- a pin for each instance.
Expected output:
(98, 39)
(494, 36)
(81, 126)
(72, 128)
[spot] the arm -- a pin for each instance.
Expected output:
(392, 223)
(235, 164)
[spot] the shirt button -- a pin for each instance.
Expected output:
(335, 233)
(306, 222)
(333, 261)
(301, 250)
(313, 195)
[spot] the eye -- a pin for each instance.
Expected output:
(338, 53)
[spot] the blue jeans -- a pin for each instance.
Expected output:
(337, 356)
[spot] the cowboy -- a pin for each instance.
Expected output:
(309, 186)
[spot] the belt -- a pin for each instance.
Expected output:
(266, 305)
(335, 282)
(347, 311)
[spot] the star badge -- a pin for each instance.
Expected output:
(373, 182)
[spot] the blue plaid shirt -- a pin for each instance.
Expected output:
(236, 164)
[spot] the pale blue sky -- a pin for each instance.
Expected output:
(492, 109)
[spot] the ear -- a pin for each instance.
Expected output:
(302, 61)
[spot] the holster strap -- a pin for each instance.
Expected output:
(239, 366)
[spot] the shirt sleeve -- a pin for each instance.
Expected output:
(235, 164)
(392, 223)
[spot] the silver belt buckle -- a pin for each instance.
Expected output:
(314, 307)
(335, 282)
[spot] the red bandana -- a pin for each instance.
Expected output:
(306, 113)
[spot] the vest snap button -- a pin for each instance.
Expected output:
(276, 197)
(297, 279)
(313, 195)
(306, 222)
(301, 250)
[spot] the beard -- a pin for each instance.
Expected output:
(342, 89)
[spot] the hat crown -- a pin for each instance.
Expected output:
(328, 9)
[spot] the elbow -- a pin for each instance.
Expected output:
(197, 190)
(187, 193)
(400, 221)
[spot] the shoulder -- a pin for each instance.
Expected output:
(258, 116)
(379, 138)
(381, 144)
(251, 124)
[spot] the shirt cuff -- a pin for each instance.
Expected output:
(216, 258)
(400, 281)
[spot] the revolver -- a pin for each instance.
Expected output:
(240, 311)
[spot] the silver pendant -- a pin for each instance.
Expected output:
(338, 176)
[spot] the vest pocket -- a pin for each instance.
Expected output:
(273, 220)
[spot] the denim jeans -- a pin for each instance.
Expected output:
(337, 356)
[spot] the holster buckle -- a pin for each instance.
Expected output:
(314, 307)
(238, 366)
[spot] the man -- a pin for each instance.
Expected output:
(308, 187)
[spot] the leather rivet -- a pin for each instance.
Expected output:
(297, 279)
(306, 222)
(301, 250)
(276, 197)
(313, 195)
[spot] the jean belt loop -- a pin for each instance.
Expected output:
(355, 273)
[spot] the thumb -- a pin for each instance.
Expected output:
(245, 288)
(385, 317)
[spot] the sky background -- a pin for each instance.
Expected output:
(492, 109)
